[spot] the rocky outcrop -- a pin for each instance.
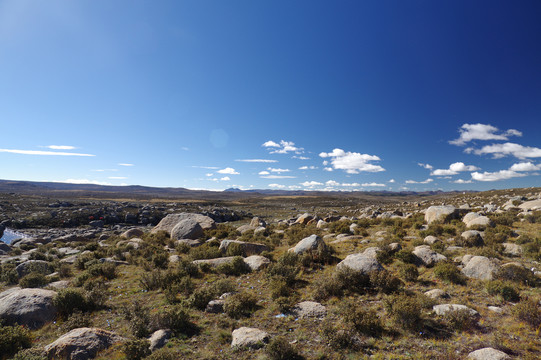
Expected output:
(246, 337)
(472, 238)
(531, 205)
(437, 294)
(31, 266)
(304, 219)
(81, 344)
(29, 307)
(443, 213)
(480, 267)
(170, 221)
(427, 256)
(361, 263)
(187, 229)
(312, 242)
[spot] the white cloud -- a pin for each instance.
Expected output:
(496, 176)
(294, 187)
(426, 166)
(209, 174)
(372, 184)
(257, 160)
(60, 147)
(279, 171)
(278, 177)
(43, 153)
(228, 170)
(84, 181)
(332, 183)
(125, 164)
(308, 168)
(277, 186)
(270, 143)
(501, 150)
(329, 169)
(311, 183)
(300, 157)
(469, 132)
(352, 162)
(392, 181)
(454, 169)
(351, 184)
(461, 181)
(206, 167)
(283, 147)
(427, 181)
(117, 177)
(264, 172)
(225, 178)
(525, 166)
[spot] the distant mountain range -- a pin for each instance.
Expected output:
(143, 192)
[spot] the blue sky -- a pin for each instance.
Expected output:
(348, 95)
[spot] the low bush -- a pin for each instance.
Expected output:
(106, 269)
(448, 272)
(34, 353)
(68, 300)
(177, 319)
(364, 321)
(203, 294)
(209, 250)
(285, 268)
(280, 349)
(151, 280)
(460, 320)
(76, 320)
(383, 281)
(529, 311)
(326, 286)
(163, 354)
(8, 274)
(504, 289)
(339, 337)
(409, 272)
(138, 317)
(136, 349)
(33, 280)
(13, 339)
(518, 274)
(235, 267)
(404, 311)
(241, 304)
(406, 256)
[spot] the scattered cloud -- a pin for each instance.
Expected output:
(125, 164)
(60, 147)
(454, 169)
(351, 184)
(427, 181)
(257, 160)
(392, 181)
(469, 132)
(525, 166)
(501, 150)
(329, 169)
(308, 168)
(283, 147)
(311, 183)
(294, 187)
(372, 184)
(461, 181)
(229, 171)
(277, 186)
(300, 157)
(209, 174)
(352, 162)
(206, 167)
(225, 178)
(332, 183)
(278, 177)
(496, 176)
(426, 166)
(279, 171)
(264, 172)
(43, 153)
(83, 181)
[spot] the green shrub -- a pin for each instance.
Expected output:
(33, 280)
(339, 337)
(406, 256)
(529, 311)
(241, 304)
(184, 286)
(285, 268)
(409, 272)
(13, 339)
(364, 321)
(209, 250)
(163, 354)
(68, 300)
(449, 272)
(235, 267)
(34, 353)
(85, 260)
(518, 274)
(340, 227)
(351, 280)
(223, 231)
(106, 269)
(404, 311)
(326, 286)
(177, 319)
(76, 320)
(383, 281)
(504, 289)
(136, 349)
(160, 260)
(138, 317)
(460, 320)
(8, 274)
(64, 271)
(202, 295)
(151, 280)
(280, 349)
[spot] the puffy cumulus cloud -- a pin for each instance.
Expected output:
(300, 157)
(225, 178)
(228, 171)
(278, 171)
(501, 150)
(525, 166)
(352, 162)
(392, 181)
(283, 147)
(454, 169)
(496, 176)
(264, 172)
(462, 181)
(426, 166)
(427, 181)
(372, 184)
(329, 169)
(311, 184)
(332, 183)
(350, 184)
(277, 186)
(257, 160)
(469, 132)
(308, 168)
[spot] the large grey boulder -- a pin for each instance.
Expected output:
(81, 344)
(443, 213)
(361, 263)
(187, 229)
(257, 262)
(531, 205)
(512, 249)
(437, 294)
(246, 337)
(427, 256)
(169, 222)
(488, 354)
(479, 221)
(309, 243)
(159, 338)
(29, 307)
(247, 248)
(215, 262)
(481, 268)
(430, 240)
(132, 233)
(304, 219)
(472, 238)
(445, 309)
(309, 309)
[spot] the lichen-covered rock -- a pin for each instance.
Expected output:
(247, 248)
(430, 240)
(159, 338)
(309, 309)
(246, 337)
(444, 309)
(512, 249)
(531, 205)
(29, 307)
(361, 263)
(480, 267)
(472, 238)
(81, 344)
(312, 242)
(488, 354)
(443, 213)
(437, 294)
(29, 266)
(170, 221)
(427, 256)
(304, 219)
(479, 222)
(131, 233)
(187, 229)
(257, 262)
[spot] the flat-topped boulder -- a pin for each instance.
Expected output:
(472, 238)
(361, 263)
(310, 243)
(308, 309)
(187, 229)
(443, 213)
(444, 309)
(29, 307)
(488, 354)
(170, 221)
(29, 266)
(257, 262)
(247, 248)
(132, 233)
(81, 344)
(246, 337)
(480, 267)
(426, 256)
(531, 205)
